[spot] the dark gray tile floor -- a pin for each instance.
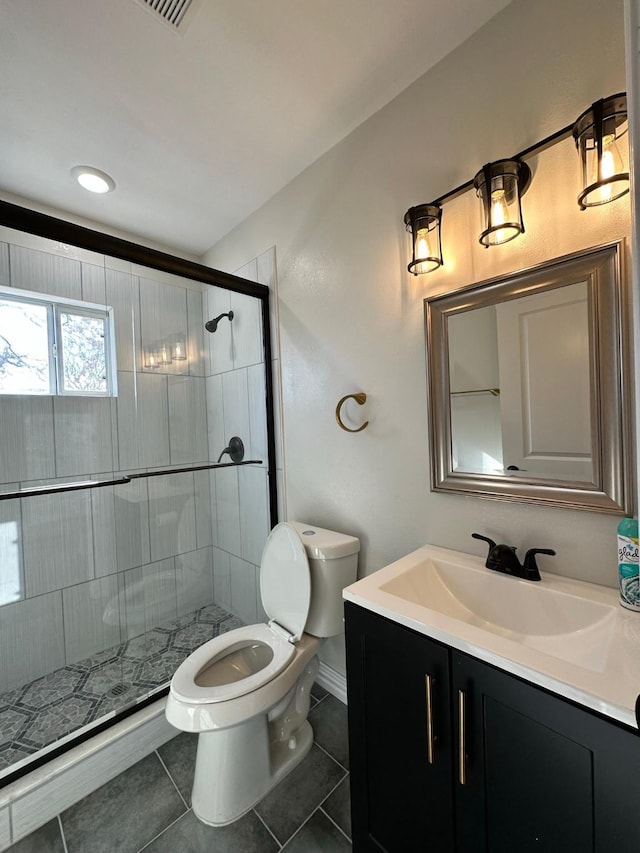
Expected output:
(147, 808)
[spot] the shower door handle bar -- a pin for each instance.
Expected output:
(57, 488)
(53, 489)
(190, 468)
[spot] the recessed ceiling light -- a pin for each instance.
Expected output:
(93, 179)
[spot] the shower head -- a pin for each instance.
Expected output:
(212, 325)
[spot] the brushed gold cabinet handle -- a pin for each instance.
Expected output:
(428, 684)
(462, 767)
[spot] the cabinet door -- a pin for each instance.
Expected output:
(401, 788)
(541, 774)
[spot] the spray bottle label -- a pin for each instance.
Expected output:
(628, 568)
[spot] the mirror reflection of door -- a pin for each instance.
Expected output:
(519, 375)
(544, 366)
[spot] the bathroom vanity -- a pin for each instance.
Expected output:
(466, 737)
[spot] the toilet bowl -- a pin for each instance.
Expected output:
(247, 692)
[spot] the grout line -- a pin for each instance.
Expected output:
(155, 837)
(337, 785)
(333, 758)
(337, 826)
(64, 840)
(166, 769)
(267, 827)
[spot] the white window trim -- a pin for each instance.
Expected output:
(56, 354)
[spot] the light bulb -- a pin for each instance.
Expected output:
(610, 165)
(499, 215)
(423, 250)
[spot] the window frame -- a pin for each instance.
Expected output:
(55, 305)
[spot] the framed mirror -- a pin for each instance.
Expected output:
(530, 382)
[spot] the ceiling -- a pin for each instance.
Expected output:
(199, 127)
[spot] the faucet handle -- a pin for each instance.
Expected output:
(492, 544)
(530, 566)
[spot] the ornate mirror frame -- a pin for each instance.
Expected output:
(610, 332)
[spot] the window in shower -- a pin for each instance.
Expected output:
(55, 347)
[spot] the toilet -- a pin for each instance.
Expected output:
(247, 692)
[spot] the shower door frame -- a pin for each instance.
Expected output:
(50, 227)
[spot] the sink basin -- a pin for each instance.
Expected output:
(566, 619)
(566, 636)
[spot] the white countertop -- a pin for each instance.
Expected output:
(609, 682)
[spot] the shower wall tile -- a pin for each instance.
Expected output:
(4, 265)
(254, 512)
(143, 421)
(31, 639)
(187, 420)
(277, 411)
(244, 590)
(194, 580)
(219, 344)
(163, 316)
(214, 507)
(257, 414)
(58, 541)
(195, 339)
(249, 270)
(204, 526)
(11, 559)
(26, 439)
(235, 397)
(149, 594)
(85, 435)
(131, 512)
(93, 283)
(266, 267)
(44, 272)
(91, 617)
(172, 520)
(104, 531)
(246, 330)
(227, 510)
(221, 578)
(215, 417)
(5, 828)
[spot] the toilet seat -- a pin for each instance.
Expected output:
(184, 686)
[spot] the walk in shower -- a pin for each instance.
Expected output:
(137, 474)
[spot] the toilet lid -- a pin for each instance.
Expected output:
(285, 580)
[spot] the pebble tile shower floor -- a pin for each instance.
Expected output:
(147, 808)
(49, 708)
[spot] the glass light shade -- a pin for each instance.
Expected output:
(151, 359)
(179, 348)
(601, 137)
(164, 353)
(500, 186)
(423, 227)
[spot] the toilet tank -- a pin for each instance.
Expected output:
(333, 564)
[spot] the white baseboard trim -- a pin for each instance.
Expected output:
(333, 681)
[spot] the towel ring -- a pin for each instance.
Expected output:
(360, 399)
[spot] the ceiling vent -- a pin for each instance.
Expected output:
(173, 13)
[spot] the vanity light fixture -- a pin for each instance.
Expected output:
(603, 156)
(93, 180)
(423, 227)
(601, 137)
(500, 186)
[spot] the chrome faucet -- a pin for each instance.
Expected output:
(502, 558)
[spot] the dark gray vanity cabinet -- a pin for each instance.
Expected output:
(515, 769)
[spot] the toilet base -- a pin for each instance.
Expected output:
(238, 766)
(222, 807)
